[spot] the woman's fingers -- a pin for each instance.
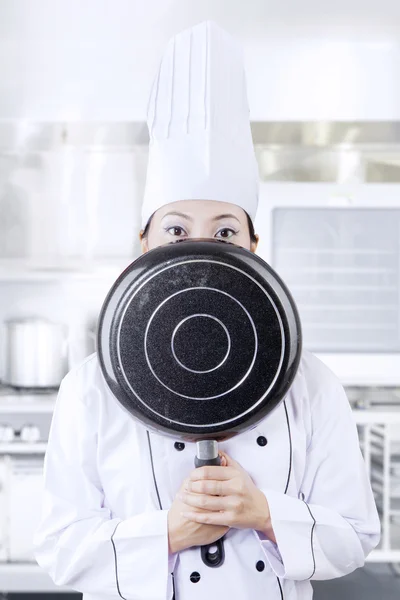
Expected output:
(209, 518)
(228, 461)
(212, 472)
(210, 503)
(215, 488)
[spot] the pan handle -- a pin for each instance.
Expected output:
(212, 555)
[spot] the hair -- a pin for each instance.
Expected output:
(252, 232)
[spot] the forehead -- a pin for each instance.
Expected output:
(202, 209)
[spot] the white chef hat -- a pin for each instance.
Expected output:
(201, 146)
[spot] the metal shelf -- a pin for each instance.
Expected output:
(14, 401)
(23, 448)
(384, 556)
(15, 406)
(26, 577)
(12, 270)
(387, 416)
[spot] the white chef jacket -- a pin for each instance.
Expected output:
(108, 485)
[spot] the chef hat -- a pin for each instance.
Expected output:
(201, 146)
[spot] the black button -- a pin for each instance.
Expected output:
(262, 441)
(179, 446)
(260, 566)
(195, 577)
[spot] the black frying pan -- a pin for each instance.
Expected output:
(199, 340)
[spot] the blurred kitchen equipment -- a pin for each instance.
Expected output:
(337, 249)
(30, 433)
(24, 495)
(14, 222)
(4, 486)
(7, 433)
(36, 353)
(82, 343)
(20, 506)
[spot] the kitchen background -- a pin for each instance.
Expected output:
(324, 92)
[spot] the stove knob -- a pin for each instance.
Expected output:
(7, 433)
(30, 433)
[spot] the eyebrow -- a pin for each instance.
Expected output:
(178, 214)
(226, 216)
(217, 218)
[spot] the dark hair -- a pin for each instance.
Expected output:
(146, 229)
(252, 232)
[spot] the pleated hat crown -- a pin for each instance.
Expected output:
(201, 146)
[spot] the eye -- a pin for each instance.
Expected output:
(226, 233)
(176, 231)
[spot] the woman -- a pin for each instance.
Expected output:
(124, 511)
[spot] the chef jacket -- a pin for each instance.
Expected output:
(108, 485)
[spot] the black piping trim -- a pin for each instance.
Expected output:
(312, 538)
(280, 587)
(289, 474)
(291, 448)
(152, 468)
(159, 499)
(116, 564)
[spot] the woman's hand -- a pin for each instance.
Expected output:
(226, 495)
(184, 533)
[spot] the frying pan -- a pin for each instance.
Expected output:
(199, 340)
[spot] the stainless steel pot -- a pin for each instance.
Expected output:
(36, 353)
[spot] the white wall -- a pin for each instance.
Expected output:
(95, 60)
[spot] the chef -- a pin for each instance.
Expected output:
(124, 510)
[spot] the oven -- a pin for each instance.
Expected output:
(337, 247)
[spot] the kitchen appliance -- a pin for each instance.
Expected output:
(36, 353)
(337, 248)
(30, 433)
(7, 433)
(21, 478)
(25, 420)
(4, 486)
(199, 340)
(26, 481)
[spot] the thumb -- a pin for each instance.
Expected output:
(227, 461)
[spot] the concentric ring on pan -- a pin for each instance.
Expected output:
(178, 329)
(221, 363)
